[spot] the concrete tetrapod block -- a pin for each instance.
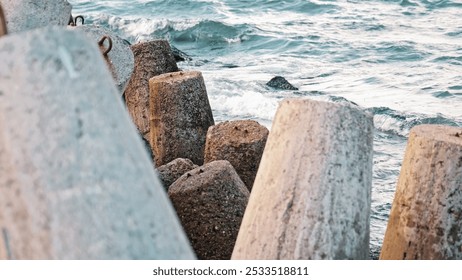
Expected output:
(173, 170)
(426, 217)
(120, 58)
(210, 201)
(22, 15)
(311, 197)
(180, 116)
(75, 182)
(151, 59)
(239, 142)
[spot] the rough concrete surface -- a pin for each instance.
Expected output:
(151, 59)
(75, 182)
(22, 15)
(426, 217)
(311, 197)
(241, 143)
(120, 59)
(173, 170)
(180, 116)
(210, 201)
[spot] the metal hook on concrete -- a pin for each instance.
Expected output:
(101, 44)
(3, 28)
(73, 20)
(76, 19)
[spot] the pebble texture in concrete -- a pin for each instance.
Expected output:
(22, 15)
(210, 201)
(173, 170)
(75, 181)
(311, 197)
(426, 216)
(120, 59)
(180, 116)
(151, 59)
(239, 142)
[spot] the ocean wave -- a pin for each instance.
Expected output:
(201, 33)
(399, 123)
(297, 6)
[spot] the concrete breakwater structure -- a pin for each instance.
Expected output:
(180, 116)
(210, 201)
(426, 216)
(22, 15)
(119, 57)
(311, 197)
(239, 142)
(75, 181)
(151, 59)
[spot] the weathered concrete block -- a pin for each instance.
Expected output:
(22, 15)
(180, 116)
(173, 170)
(239, 142)
(151, 59)
(75, 182)
(311, 197)
(119, 59)
(210, 201)
(426, 216)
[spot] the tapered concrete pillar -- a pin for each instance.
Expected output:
(180, 116)
(24, 15)
(210, 201)
(119, 58)
(173, 170)
(239, 142)
(75, 181)
(426, 216)
(151, 59)
(311, 197)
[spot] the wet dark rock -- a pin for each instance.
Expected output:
(180, 55)
(374, 252)
(279, 82)
(173, 170)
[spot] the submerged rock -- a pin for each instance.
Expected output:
(279, 82)
(180, 55)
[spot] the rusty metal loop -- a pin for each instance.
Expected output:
(101, 44)
(76, 19)
(3, 28)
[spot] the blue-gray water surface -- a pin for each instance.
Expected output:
(401, 60)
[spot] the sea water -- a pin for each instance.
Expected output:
(401, 60)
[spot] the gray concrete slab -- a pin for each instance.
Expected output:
(75, 181)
